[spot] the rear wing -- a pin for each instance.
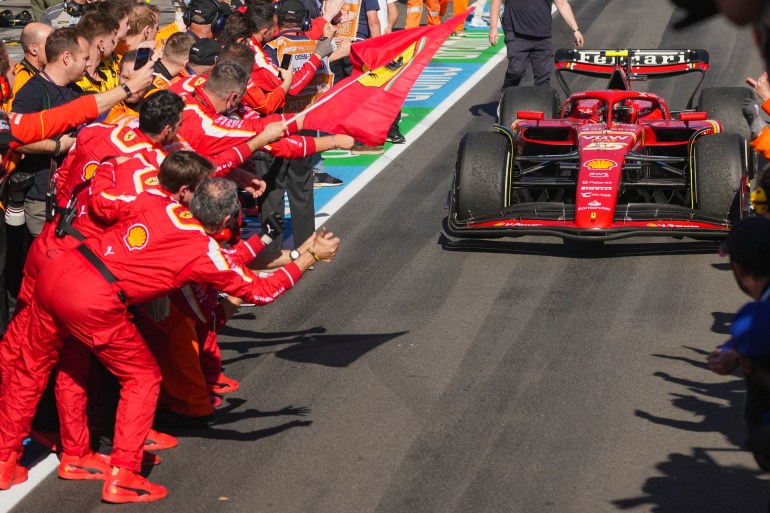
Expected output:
(630, 65)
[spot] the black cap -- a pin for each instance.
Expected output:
(204, 52)
(206, 11)
(6, 136)
(292, 9)
(749, 245)
(697, 10)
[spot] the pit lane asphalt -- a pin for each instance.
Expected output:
(413, 375)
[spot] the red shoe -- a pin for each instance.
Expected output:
(11, 472)
(216, 401)
(223, 385)
(92, 466)
(157, 441)
(50, 440)
(149, 459)
(122, 486)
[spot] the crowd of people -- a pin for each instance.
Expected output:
(130, 151)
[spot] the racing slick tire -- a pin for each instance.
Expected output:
(527, 98)
(483, 160)
(720, 168)
(725, 104)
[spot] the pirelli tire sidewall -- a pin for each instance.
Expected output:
(725, 104)
(481, 175)
(721, 168)
(527, 98)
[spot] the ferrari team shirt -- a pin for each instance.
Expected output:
(528, 17)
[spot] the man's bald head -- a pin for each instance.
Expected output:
(33, 38)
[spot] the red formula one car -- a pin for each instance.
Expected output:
(607, 163)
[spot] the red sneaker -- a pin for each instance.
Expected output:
(223, 385)
(11, 472)
(122, 486)
(157, 441)
(92, 466)
(216, 401)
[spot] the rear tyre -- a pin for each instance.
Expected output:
(725, 104)
(527, 98)
(720, 168)
(483, 160)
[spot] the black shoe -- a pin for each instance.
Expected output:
(325, 180)
(395, 136)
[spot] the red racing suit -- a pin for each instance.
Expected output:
(265, 74)
(209, 133)
(156, 247)
(37, 126)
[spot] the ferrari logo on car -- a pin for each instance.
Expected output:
(137, 237)
(601, 164)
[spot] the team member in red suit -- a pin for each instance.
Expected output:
(208, 129)
(158, 246)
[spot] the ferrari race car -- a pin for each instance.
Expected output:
(607, 163)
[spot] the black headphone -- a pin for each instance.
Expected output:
(307, 23)
(73, 9)
(219, 20)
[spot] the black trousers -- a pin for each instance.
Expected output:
(295, 178)
(522, 50)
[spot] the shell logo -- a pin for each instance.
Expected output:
(152, 181)
(602, 164)
(130, 136)
(89, 170)
(137, 237)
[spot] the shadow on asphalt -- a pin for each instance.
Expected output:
(573, 249)
(311, 346)
(697, 481)
(722, 322)
(489, 109)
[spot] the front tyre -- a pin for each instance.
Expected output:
(481, 174)
(720, 171)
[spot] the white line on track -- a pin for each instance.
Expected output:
(41, 470)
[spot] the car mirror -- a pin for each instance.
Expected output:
(526, 114)
(693, 116)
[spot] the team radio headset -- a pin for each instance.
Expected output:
(73, 9)
(307, 23)
(216, 25)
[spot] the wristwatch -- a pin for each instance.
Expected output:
(293, 254)
(126, 89)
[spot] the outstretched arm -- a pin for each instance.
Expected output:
(565, 10)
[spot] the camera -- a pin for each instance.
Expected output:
(18, 185)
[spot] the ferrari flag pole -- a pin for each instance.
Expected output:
(384, 70)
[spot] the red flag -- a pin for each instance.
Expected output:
(365, 104)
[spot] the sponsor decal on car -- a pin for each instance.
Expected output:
(605, 146)
(580, 209)
(595, 188)
(598, 174)
(602, 164)
(595, 195)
